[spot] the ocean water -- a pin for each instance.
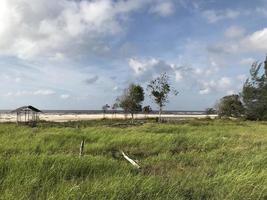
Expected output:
(77, 112)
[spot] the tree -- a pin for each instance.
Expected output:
(159, 90)
(254, 93)
(210, 111)
(105, 109)
(131, 100)
(147, 110)
(230, 106)
(114, 108)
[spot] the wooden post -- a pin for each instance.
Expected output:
(81, 148)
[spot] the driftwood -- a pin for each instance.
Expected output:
(81, 148)
(130, 160)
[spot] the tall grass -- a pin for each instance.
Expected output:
(188, 160)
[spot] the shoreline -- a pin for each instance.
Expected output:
(7, 117)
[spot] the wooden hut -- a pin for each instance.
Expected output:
(27, 114)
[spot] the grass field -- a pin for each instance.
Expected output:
(198, 159)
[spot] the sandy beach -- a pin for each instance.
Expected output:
(8, 117)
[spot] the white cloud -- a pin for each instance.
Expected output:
(147, 68)
(214, 16)
(55, 28)
(116, 88)
(230, 92)
(197, 78)
(164, 8)
(234, 32)
(65, 28)
(241, 77)
(224, 47)
(261, 11)
(17, 79)
(257, 41)
(247, 61)
(204, 91)
(65, 96)
(223, 84)
(45, 92)
(178, 76)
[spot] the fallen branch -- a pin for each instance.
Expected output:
(130, 160)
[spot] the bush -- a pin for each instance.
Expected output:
(210, 111)
(230, 106)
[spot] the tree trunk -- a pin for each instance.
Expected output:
(160, 112)
(132, 117)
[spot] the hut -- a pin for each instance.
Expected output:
(27, 114)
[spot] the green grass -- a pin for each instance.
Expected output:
(196, 159)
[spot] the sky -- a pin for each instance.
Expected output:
(81, 54)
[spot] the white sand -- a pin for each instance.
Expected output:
(78, 117)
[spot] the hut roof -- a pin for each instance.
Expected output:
(26, 108)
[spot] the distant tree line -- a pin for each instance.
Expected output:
(133, 96)
(251, 102)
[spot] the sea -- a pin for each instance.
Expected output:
(78, 112)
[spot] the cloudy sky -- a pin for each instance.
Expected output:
(80, 54)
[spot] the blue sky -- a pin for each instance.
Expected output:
(70, 54)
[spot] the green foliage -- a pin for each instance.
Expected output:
(115, 107)
(189, 160)
(159, 90)
(147, 109)
(105, 108)
(254, 94)
(230, 106)
(210, 111)
(131, 100)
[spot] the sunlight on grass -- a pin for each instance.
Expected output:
(198, 159)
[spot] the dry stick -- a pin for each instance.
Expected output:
(130, 160)
(81, 148)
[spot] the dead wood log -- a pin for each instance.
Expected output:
(130, 160)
